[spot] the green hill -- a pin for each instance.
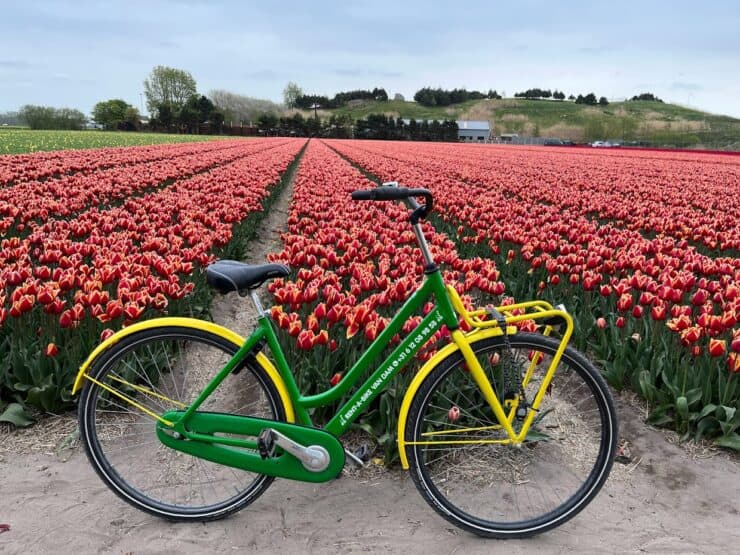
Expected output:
(655, 123)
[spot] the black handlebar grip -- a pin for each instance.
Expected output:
(363, 195)
(397, 193)
(391, 193)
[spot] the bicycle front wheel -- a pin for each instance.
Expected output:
(498, 490)
(163, 369)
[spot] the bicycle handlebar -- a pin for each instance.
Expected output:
(399, 193)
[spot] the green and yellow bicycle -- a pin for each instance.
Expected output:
(506, 433)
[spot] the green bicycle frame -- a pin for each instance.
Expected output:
(442, 314)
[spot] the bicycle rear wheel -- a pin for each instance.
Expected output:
(497, 490)
(165, 369)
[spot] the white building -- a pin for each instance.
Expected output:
(473, 131)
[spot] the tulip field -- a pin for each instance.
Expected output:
(643, 248)
(96, 239)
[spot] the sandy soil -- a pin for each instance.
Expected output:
(666, 499)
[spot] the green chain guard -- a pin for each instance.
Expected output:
(200, 442)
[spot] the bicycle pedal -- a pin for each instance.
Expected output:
(360, 456)
(266, 443)
(363, 453)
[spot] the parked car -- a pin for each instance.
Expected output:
(601, 144)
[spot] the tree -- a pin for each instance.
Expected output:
(164, 115)
(399, 97)
(291, 92)
(47, 117)
(650, 97)
(267, 122)
(111, 114)
(197, 110)
(168, 85)
(603, 101)
(239, 109)
(131, 120)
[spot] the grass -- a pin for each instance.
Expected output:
(653, 122)
(17, 141)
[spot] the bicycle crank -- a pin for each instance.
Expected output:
(314, 457)
(263, 446)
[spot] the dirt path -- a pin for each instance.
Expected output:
(670, 502)
(667, 500)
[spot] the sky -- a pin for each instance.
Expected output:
(74, 54)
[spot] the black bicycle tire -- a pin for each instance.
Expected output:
(566, 510)
(111, 478)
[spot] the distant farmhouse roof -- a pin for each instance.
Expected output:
(473, 125)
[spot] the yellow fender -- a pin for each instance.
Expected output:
(425, 370)
(192, 323)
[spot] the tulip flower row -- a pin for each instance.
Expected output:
(552, 234)
(68, 194)
(38, 166)
(70, 278)
(564, 224)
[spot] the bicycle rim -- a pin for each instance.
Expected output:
(497, 490)
(161, 370)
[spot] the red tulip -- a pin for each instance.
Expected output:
(736, 344)
(717, 347)
(658, 312)
(335, 379)
(52, 350)
(733, 362)
(699, 298)
(305, 340)
(625, 302)
(691, 335)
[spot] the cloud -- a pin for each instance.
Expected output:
(261, 75)
(359, 72)
(15, 64)
(684, 86)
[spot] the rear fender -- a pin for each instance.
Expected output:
(191, 323)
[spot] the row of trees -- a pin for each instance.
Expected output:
(47, 117)
(308, 101)
(590, 99)
(380, 126)
(650, 97)
(540, 93)
(375, 126)
(441, 97)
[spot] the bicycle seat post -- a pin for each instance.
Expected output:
(256, 300)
